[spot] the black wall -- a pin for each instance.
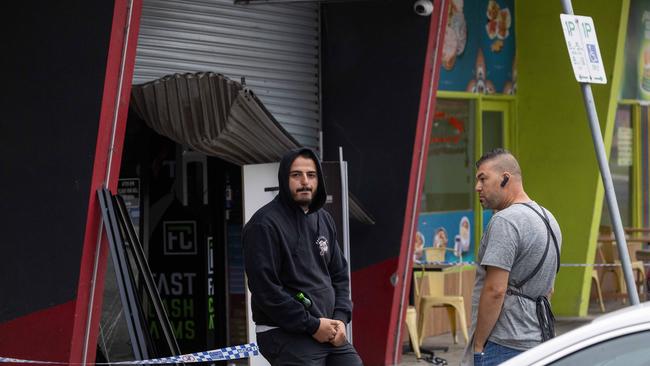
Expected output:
(54, 59)
(373, 60)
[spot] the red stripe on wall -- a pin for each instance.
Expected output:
(110, 138)
(375, 317)
(416, 181)
(51, 345)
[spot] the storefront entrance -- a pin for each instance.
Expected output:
(186, 208)
(464, 128)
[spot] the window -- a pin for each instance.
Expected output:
(449, 183)
(628, 350)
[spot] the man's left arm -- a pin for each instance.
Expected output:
(341, 283)
(490, 304)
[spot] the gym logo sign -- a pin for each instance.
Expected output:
(179, 237)
(322, 245)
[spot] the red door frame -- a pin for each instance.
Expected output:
(416, 182)
(108, 155)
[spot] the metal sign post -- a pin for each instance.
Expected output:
(587, 65)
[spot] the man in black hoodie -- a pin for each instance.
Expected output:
(300, 295)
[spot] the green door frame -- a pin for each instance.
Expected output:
(495, 103)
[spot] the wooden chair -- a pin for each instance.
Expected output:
(411, 326)
(607, 251)
(599, 291)
(435, 297)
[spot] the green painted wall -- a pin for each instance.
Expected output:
(554, 144)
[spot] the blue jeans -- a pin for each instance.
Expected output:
(494, 354)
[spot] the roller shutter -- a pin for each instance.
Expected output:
(274, 47)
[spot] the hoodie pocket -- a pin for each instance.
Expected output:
(322, 302)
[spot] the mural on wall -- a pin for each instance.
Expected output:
(451, 231)
(445, 230)
(636, 83)
(479, 49)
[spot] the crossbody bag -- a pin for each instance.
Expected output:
(543, 310)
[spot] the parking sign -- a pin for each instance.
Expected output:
(582, 44)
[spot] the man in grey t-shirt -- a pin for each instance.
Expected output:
(512, 246)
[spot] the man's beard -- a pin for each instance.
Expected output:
(487, 204)
(303, 200)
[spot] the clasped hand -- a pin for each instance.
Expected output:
(332, 331)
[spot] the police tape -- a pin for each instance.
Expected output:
(456, 264)
(221, 354)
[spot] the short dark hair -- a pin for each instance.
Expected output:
(492, 154)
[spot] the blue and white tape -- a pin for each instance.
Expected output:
(221, 354)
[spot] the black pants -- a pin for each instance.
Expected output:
(281, 348)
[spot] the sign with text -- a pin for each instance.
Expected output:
(584, 53)
(179, 237)
(129, 189)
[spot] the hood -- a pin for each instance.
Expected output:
(283, 180)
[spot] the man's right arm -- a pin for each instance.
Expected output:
(490, 304)
(263, 261)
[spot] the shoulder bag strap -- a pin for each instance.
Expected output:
(541, 261)
(550, 230)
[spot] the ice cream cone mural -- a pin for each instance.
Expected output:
(480, 84)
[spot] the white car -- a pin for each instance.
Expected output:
(619, 338)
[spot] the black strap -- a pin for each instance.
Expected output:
(550, 231)
(549, 234)
(543, 309)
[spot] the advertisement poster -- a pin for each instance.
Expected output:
(451, 230)
(181, 263)
(129, 189)
(636, 83)
(478, 55)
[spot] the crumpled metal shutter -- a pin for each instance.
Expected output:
(212, 115)
(274, 47)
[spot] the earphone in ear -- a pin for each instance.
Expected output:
(504, 181)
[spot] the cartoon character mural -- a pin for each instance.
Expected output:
(442, 227)
(479, 48)
(455, 34)
(418, 248)
(462, 240)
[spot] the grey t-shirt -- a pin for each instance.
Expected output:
(515, 240)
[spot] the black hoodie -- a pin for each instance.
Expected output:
(287, 251)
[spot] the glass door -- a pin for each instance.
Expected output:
(643, 180)
(447, 206)
(621, 165)
(494, 132)
(494, 120)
